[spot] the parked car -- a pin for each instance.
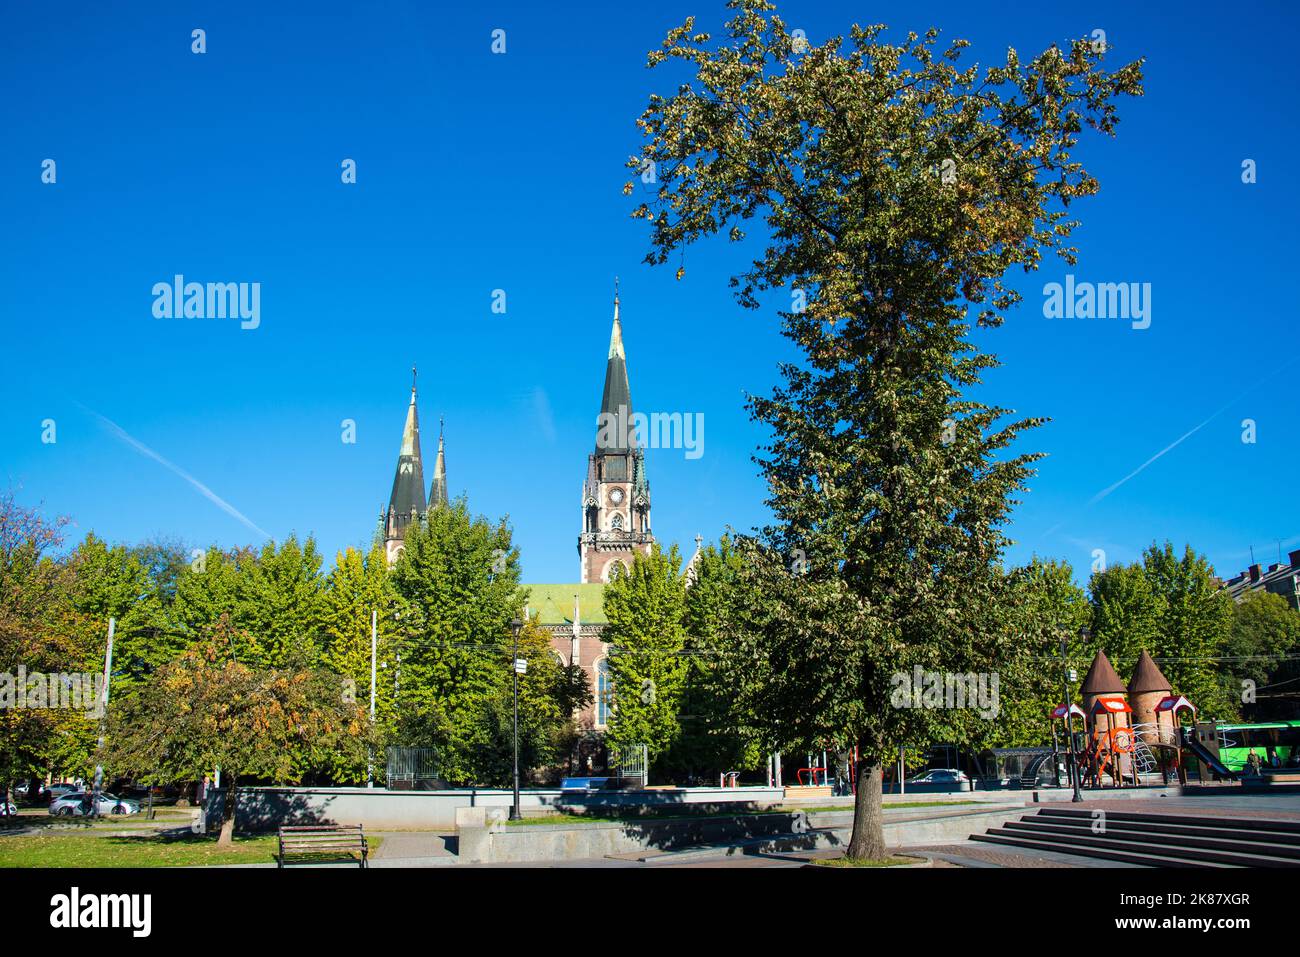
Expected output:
(942, 776)
(78, 804)
(55, 791)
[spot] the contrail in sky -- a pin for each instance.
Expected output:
(1172, 445)
(206, 492)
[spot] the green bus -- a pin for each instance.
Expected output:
(1281, 738)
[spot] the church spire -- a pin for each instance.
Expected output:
(616, 493)
(614, 432)
(438, 490)
(406, 502)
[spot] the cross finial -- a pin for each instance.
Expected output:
(616, 289)
(412, 378)
(441, 420)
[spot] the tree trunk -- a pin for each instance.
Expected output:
(228, 816)
(868, 841)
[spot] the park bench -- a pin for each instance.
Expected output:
(332, 839)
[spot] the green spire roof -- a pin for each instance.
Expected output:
(438, 490)
(617, 398)
(407, 499)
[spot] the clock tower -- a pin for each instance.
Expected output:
(616, 493)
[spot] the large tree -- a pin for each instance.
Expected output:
(895, 191)
(458, 577)
(716, 736)
(646, 634)
(206, 710)
(39, 631)
(1262, 649)
(1195, 624)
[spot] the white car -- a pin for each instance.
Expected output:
(942, 776)
(78, 804)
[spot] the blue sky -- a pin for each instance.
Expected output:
(478, 172)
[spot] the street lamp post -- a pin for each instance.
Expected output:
(1069, 716)
(515, 626)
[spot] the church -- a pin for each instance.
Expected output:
(614, 525)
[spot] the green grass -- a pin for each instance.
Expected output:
(89, 850)
(866, 862)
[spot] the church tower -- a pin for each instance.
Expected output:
(406, 503)
(616, 493)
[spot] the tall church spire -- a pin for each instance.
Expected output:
(616, 493)
(438, 490)
(406, 503)
(614, 431)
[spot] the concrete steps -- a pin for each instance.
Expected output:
(1155, 840)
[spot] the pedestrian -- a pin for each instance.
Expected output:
(1252, 763)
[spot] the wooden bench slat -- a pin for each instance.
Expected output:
(308, 839)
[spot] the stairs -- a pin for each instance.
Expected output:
(1155, 840)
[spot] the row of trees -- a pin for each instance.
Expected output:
(692, 672)
(259, 663)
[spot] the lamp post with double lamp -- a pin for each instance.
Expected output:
(1069, 715)
(515, 626)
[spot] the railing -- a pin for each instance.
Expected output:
(406, 766)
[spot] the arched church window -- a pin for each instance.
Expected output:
(616, 523)
(604, 692)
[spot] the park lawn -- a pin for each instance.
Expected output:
(87, 850)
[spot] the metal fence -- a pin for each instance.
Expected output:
(407, 767)
(632, 764)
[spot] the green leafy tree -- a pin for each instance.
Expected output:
(646, 634)
(206, 710)
(39, 631)
(109, 581)
(1046, 606)
(896, 191)
(1195, 625)
(358, 585)
(1126, 613)
(550, 693)
(164, 559)
(459, 577)
(715, 736)
(282, 603)
(1261, 648)
(208, 590)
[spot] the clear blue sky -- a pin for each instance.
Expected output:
(479, 171)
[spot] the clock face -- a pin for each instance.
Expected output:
(616, 496)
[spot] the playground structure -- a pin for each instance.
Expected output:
(1130, 731)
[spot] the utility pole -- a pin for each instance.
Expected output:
(374, 643)
(103, 715)
(1069, 716)
(516, 625)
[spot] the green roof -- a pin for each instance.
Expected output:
(555, 603)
